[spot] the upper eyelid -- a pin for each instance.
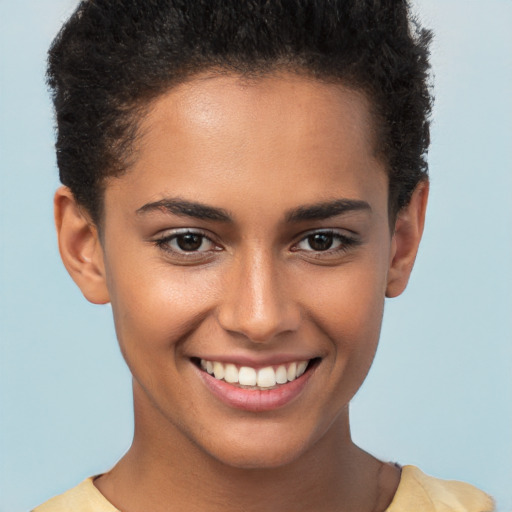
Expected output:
(169, 235)
(349, 240)
(343, 233)
(172, 233)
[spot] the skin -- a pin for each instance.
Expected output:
(258, 150)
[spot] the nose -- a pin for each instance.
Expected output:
(257, 303)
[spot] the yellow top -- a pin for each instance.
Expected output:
(416, 492)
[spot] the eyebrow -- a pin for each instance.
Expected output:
(185, 208)
(316, 211)
(326, 210)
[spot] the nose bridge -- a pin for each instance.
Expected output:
(256, 304)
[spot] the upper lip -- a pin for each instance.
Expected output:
(259, 361)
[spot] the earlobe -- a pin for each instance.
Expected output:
(406, 239)
(80, 247)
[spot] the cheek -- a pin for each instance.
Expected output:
(349, 303)
(348, 308)
(158, 305)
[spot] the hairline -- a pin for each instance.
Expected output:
(139, 109)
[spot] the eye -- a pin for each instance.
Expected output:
(322, 241)
(325, 244)
(186, 241)
(189, 242)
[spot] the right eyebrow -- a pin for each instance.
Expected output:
(326, 210)
(181, 207)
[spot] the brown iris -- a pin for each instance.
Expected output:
(189, 241)
(320, 241)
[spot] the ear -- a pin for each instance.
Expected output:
(406, 240)
(80, 247)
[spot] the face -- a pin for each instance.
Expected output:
(249, 242)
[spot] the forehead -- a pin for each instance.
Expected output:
(272, 134)
(237, 107)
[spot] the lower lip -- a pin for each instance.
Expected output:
(255, 400)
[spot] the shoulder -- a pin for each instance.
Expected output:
(82, 498)
(422, 493)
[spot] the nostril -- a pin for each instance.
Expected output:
(259, 326)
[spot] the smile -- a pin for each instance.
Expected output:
(247, 377)
(256, 388)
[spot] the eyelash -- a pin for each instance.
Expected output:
(345, 244)
(165, 241)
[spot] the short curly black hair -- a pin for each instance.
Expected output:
(112, 57)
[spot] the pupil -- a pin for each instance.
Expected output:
(320, 241)
(189, 242)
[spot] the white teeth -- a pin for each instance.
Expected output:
(281, 375)
(247, 376)
(292, 372)
(218, 370)
(265, 378)
(231, 374)
(301, 368)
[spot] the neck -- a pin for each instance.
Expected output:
(165, 471)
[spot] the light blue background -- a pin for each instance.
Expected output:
(440, 392)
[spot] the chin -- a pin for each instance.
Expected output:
(260, 452)
(259, 459)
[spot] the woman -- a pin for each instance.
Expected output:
(245, 182)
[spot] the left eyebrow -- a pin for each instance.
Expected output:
(326, 210)
(182, 207)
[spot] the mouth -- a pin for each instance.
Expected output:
(263, 379)
(256, 389)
